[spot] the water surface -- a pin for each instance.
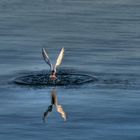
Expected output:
(99, 37)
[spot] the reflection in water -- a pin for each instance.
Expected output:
(54, 103)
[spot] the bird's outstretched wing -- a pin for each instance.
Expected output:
(59, 58)
(46, 58)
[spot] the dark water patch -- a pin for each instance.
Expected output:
(64, 78)
(69, 77)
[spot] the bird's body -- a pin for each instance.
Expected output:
(53, 75)
(53, 67)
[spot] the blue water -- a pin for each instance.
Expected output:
(100, 37)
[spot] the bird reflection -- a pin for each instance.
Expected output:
(54, 103)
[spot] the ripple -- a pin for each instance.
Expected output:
(64, 78)
(72, 77)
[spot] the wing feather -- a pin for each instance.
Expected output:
(46, 58)
(59, 58)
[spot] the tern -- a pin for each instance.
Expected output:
(48, 61)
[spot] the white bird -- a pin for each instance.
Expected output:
(48, 61)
